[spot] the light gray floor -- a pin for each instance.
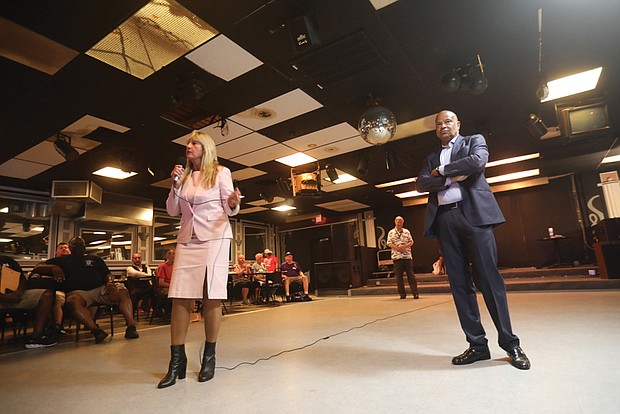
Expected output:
(359, 355)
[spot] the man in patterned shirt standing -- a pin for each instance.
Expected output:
(400, 241)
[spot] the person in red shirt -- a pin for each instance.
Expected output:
(164, 273)
(270, 261)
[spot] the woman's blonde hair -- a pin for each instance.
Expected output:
(209, 164)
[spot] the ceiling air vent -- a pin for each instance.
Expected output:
(340, 60)
(78, 190)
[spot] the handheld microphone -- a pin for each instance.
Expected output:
(180, 161)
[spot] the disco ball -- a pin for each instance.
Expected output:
(377, 125)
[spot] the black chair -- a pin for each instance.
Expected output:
(162, 304)
(19, 322)
(100, 308)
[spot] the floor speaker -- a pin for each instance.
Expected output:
(333, 275)
(608, 259)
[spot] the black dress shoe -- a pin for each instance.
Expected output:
(470, 356)
(518, 358)
(403, 296)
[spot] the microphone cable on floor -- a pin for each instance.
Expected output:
(325, 338)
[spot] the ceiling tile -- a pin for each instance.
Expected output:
(21, 169)
(322, 137)
(245, 145)
(252, 210)
(246, 173)
(343, 205)
(44, 153)
(338, 148)
(261, 202)
(215, 132)
(287, 106)
(224, 58)
(263, 155)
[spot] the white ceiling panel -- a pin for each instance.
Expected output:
(343, 205)
(44, 153)
(322, 137)
(246, 173)
(88, 123)
(224, 58)
(21, 169)
(234, 131)
(261, 202)
(250, 143)
(252, 210)
(287, 106)
(338, 148)
(264, 155)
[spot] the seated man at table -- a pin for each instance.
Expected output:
(139, 283)
(87, 281)
(40, 300)
(291, 272)
(242, 280)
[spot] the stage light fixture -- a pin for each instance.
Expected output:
(536, 126)
(391, 161)
(331, 173)
(469, 77)
(64, 148)
(362, 166)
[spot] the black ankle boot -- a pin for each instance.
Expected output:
(207, 369)
(176, 368)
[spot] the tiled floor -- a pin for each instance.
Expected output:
(372, 354)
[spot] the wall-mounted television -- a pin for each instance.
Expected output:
(579, 120)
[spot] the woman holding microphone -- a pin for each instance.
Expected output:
(203, 194)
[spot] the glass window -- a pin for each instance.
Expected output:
(254, 239)
(24, 228)
(166, 229)
(109, 244)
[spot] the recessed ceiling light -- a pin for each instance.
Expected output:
(295, 160)
(409, 194)
(399, 182)
(513, 160)
(284, 207)
(342, 178)
(513, 176)
(573, 84)
(115, 173)
(613, 158)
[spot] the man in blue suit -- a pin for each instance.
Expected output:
(462, 212)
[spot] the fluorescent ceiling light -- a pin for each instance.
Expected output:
(513, 176)
(296, 159)
(4, 210)
(157, 238)
(410, 194)
(284, 207)
(342, 178)
(96, 242)
(116, 173)
(159, 33)
(6, 240)
(513, 160)
(37, 229)
(572, 84)
(399, 182)
(121, 243)
(613, 158)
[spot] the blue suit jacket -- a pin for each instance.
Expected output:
(469, 156)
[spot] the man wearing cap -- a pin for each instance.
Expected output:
(270, 261)
(291, 272)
